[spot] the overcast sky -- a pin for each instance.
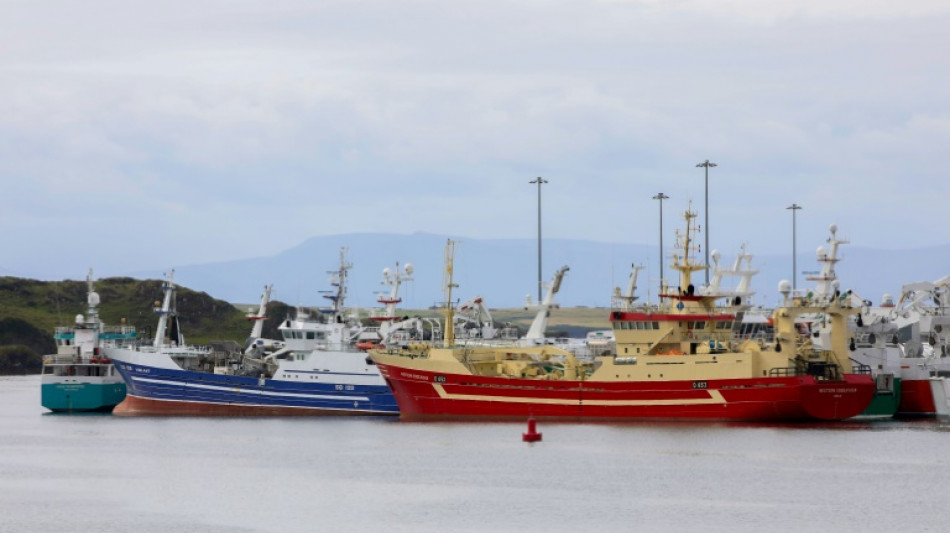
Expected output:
(142, 135)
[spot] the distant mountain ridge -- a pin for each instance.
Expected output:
(504, 271)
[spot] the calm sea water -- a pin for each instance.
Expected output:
(103, 473)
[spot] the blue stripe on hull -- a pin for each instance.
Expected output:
(200, 387)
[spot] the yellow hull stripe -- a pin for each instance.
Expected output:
(715, 398)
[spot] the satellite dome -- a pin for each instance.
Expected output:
(821, 252)
(784, 286)
(93, 299)
(409, 269)
(80, 319)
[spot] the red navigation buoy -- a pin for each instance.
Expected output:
(532, 435)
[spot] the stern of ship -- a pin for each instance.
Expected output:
(839, 399)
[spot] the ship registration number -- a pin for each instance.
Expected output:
(700, 385)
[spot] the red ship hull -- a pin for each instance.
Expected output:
(423, 395)
(916, 398)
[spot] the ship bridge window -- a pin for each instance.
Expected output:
(656, 325)
(310, 335)
(700, 325)
(321, 335)
(690, 325)
(624, 325)
(639, 325)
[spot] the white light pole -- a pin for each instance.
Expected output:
(539, 181)
(661, 197)
(794, 207)
(707, 164)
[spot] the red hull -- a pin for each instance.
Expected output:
(138, 406)
(422, 394)
(916, 398)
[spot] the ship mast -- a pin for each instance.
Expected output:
(92, 301)
(540, 322)
(687, 243)
(625, 299)
(261, 315)
(338, 280)
(393, 279)
(447, 286)
(168, 286)
(827, 278)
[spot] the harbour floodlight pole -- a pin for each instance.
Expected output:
(707, 164)
(794, 207)
(661, 197)
(539, 181)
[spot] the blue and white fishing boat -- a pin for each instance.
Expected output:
(78, 377)
(316, 370)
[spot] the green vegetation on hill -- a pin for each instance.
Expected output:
(19, 359)
(48, 304)
(16, 331)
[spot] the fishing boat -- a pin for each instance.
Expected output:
(920, 328)
(78, 377)
(873, 337)
(672, 361)
(315, 370)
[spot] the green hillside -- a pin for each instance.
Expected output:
(48, 304)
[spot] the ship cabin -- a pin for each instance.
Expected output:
(660, 333)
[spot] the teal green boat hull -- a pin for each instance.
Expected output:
(885, 401)
(82, 397)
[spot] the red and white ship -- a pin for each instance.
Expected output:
(922, 319)
(674, 361)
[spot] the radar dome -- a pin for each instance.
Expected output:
(784, 286)
(80, 319)
(821, 252)
(409, 269)
(833, 228)
(93, 299)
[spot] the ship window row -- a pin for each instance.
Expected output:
(308, 335)
(637, 325)
(79, 370)
(701, 324)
